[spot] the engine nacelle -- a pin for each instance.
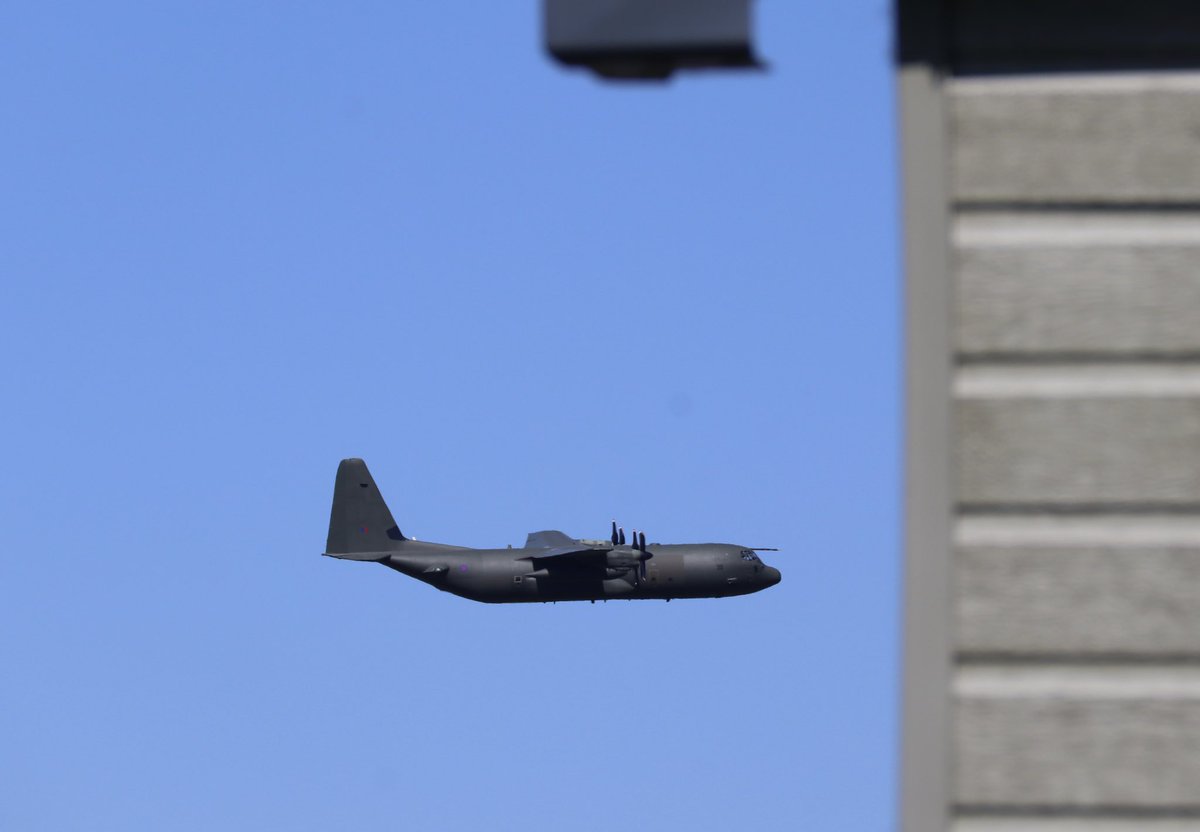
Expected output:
(625, 558)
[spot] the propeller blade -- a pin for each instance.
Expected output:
(621, 532)
(614, 533)
(642, 541)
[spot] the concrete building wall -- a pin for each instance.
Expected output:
(1053, 588)
(1076, 578)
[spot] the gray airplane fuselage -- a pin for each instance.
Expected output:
(502, 576)
(552, 566)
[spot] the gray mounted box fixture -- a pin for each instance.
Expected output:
(649, 39)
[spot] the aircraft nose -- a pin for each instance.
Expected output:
(772, 576)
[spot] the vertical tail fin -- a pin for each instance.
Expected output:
(360, 525)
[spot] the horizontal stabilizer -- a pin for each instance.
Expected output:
(367, 556)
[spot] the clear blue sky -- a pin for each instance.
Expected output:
(242, 240)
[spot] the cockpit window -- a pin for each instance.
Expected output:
(748, 554)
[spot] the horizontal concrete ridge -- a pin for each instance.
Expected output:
(1077, 587)
(1049, 531)
(1066, 824)
(1075, 229)
(1107, 83)
(1078, 284)
(1104, 681)
(1072, 587)
(1078, 739)
(1078, 381)
(1124, 138)
(1023, 441)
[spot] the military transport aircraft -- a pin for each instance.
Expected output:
(551, 567)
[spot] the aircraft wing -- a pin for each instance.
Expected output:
(555, 550)
(549, 539)
(579, 553)
(568, 559)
